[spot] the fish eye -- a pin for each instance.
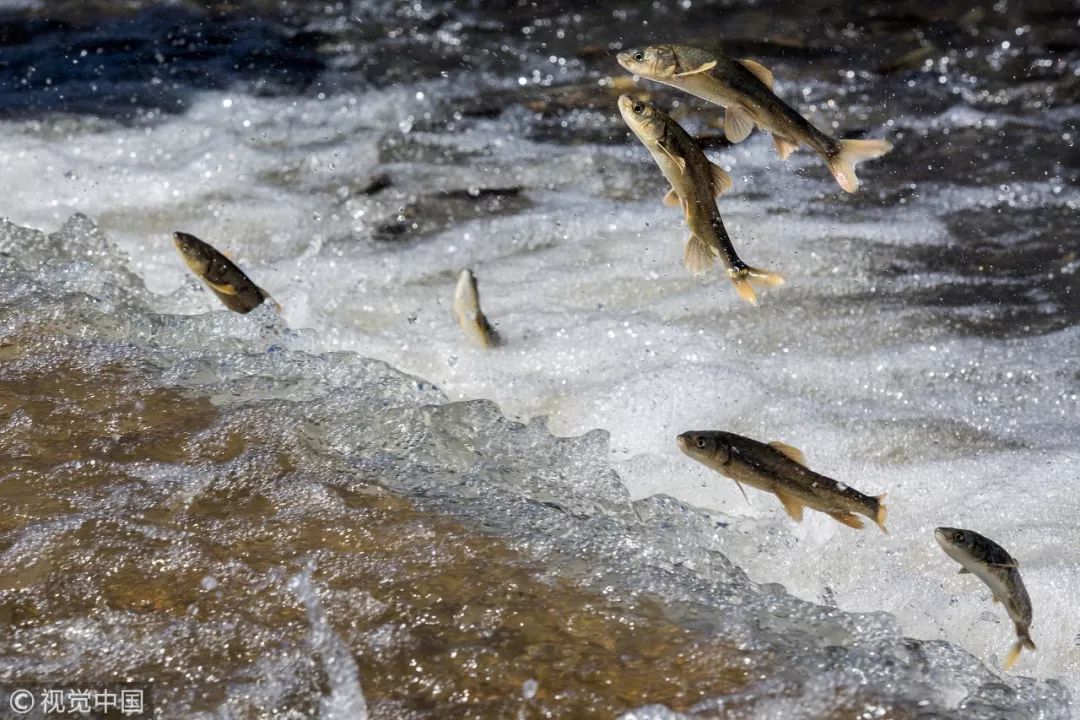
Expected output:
(639, 56)
(958, 536)
(638, 108)
(701, 442)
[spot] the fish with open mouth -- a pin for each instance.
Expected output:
(984, 558)
(695, 182)
(744, 89)
(781, 469)
(470, 317)
(232, 287)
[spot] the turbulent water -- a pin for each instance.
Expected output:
(346, 511)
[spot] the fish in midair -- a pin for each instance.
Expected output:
(470, 317)
(990, 562)
(695, 182)
(233, 288)
(781, 469)
(744, 89)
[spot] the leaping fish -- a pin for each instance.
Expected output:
(233, 288)
(470, 317)
(990, 562)
(781, 469)
(694, 184)
(744, 89)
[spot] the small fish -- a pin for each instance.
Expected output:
(469, 315)
(232, 287)
(1000, 571)
(694, 184)
(744, 89)
(781, 470)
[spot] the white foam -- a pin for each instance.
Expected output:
(603, 328)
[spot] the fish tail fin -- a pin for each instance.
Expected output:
(852, 152)
(698, 255)
(746, 277)
(882, 512)
(1023, 641)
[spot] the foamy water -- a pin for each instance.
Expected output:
(924, 345)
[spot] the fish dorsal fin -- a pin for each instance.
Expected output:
(223, 288)
(672, 198)
(793, 507)
(702, 68)
(760, 71)
(784, 146)
(721, 181)
(792, 453)
(848, 519)
(738, 123)
(674, 158)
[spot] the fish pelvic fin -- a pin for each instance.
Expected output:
(792, 453)
(882, 513)
(744, 276)
(698, 255)
(738, 123)
(784, 146)
(848, 519)
(1023, 641)
(721, 181)
(700, 69)
(759, 71)
(793, 507)
(672, 198)
(842, 165)
(964, 571)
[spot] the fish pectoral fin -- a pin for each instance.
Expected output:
(672, 198)
(700, 69)
(793, 507)
(792, 453)
(223, 288)
(738, 123)
(721, 181)
(743, 491)
(784, 146)
(698, 255)
(759, 71)
(1005, 566)
(964, 571)
(848, 519)
(679, 162)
